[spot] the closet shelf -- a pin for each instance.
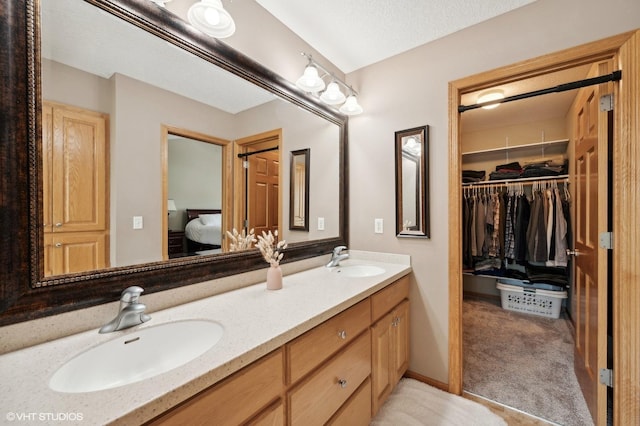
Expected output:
(550, 148)
(503, 182)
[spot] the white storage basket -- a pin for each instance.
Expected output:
(544, 303)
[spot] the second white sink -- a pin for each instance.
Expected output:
(136, 356)
(359, 271)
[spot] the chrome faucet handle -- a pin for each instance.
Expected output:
(337, 250)
(131, 294)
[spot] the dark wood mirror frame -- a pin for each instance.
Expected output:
(422, 228)
(24, 293)
(306, 154)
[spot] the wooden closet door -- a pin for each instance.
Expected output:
(590, 262)
(78, 170)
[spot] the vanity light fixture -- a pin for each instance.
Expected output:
(489, 96)
(211, 18)
(312, 82)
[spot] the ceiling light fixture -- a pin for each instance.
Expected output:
(492, 95)
(211, 18)
(312, 82)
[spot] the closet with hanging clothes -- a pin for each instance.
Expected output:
(517, 225)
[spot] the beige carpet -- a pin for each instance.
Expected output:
(413, 403)
(522, 361)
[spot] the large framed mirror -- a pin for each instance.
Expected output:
(299, 190)
(412, 182)
(139, 98)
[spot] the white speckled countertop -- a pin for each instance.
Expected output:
(256, 321)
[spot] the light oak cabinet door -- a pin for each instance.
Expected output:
(75, 195)
(389, 353)
(70, 252)
(236, 400)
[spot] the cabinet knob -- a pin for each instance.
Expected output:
(342, 334)
(58, 225)
(58, 244)
(395, 321)
(342, 383)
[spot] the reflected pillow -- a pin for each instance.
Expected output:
(210, 219)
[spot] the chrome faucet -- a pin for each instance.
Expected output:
(337, 256)
(131, 311)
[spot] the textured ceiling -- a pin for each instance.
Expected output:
(355, 33)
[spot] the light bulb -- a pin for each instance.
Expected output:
(212, 16)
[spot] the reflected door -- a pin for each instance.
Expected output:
(263, 191)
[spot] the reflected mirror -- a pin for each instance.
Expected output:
(412, 195)
(299, 190)
(140, 84)
(119, 77)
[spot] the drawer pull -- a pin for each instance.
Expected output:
(342, 383)
(58, 244)
(342, 334)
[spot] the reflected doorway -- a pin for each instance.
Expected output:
(196, 209)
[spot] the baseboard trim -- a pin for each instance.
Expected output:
(427, 380)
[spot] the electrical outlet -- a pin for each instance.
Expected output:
(137, 222)
(378, 226)
(321, 224)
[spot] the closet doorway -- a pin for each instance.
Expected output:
(544, 67)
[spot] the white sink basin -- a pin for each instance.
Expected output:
(136, 356)
(359, 271)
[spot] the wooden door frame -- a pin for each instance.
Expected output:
(624, 49)
(227, 164)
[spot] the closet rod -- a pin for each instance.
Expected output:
(614, 76)
(520, 181)
(249, 154)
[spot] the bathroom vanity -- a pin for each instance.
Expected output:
(327, 348)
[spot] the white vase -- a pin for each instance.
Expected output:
(274, 278)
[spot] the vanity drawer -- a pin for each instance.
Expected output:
(236, 399)
(316, 399)
(387, 298)
(306, 352)
(356, 411)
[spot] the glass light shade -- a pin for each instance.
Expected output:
(494, 95)
(351, 106)
(210, 17)
(310, 80)
(332, 95)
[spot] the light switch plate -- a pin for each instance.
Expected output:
(378, 226)
(321, 224)
(137, 222)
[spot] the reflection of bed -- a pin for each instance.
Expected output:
(203, 230)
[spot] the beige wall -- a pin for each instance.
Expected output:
(300, 130)
(140, 111)
(411, 90)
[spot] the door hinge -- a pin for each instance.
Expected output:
(606, 377)
(606, 102)
(606, 240)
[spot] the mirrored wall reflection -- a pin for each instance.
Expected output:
(299, 190)
(412, 182)
(140, 84)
